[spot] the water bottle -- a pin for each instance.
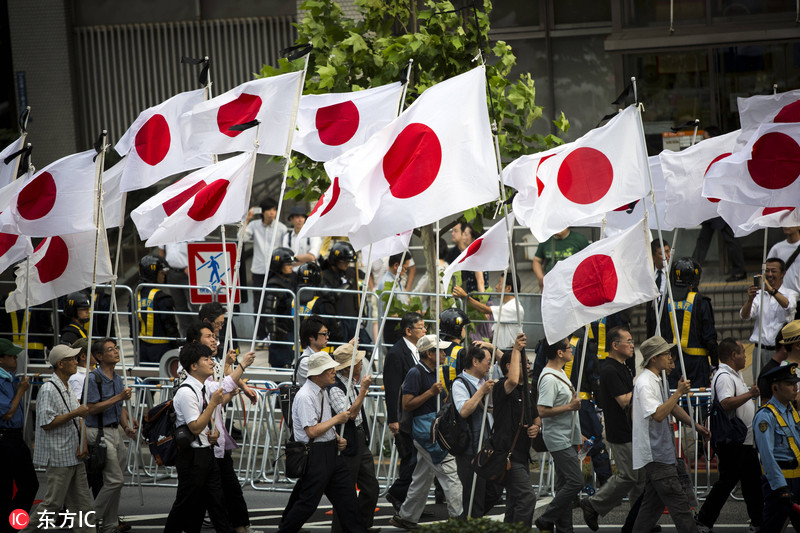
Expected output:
(587, 446)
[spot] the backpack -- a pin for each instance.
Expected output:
(158, 430)
(449, 429)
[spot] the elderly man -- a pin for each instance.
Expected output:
(654, 442)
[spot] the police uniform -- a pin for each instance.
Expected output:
(40, 329)
(776, 429)
(599, 328)
(695, 319)
(72, 332)
(280, 329)
(450, 364)
(153, 322)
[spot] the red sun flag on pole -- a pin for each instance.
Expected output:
(608, 276)
(745, 219)
(330, 124)
(488, 253)
(271, 101)
(13, 248)
(777, 108)
(333, 214)
(61, 265)
(601, 171)
(153, 143)
(439, 148)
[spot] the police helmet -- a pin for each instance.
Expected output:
(685, 272)
(309, 275)
(342, 251)
(75, 301)
(149, 267)
(451, 321)
(280, 257)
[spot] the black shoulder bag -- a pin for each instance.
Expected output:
(724, 430)
(96, 460)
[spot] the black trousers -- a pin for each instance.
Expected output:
(407, 455)
(327, 474)
(735, 253)
(362, 472)
(234, 498)
(199, 490)
(17, 468)
(776, 509)
(737, 464)
(151, 353)
(487, 493)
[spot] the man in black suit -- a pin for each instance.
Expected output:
(399, 360)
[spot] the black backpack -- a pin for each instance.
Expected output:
(159, 428)
(449, 429)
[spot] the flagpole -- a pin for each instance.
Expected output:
(27, 305)
(660, 307)
(288, 157)
(386, 311)
(436, 288)
(113, 304)
(405, 89)
(757, 365)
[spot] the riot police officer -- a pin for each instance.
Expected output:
(452, 328)
(77, 309)
(280, 302)
(155, 311)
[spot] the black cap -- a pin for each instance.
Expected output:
(782, 373)
(297, 210)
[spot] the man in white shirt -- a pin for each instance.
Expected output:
(305, 249)
(788, 251)
(508, 326)
(654, 441)
(780, 305)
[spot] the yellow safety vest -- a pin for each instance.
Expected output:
(789, 473)
(448, 365)
(147, 323)
(601, 338)
(686, 306)
(18, 331)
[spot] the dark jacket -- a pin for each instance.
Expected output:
(399, 360)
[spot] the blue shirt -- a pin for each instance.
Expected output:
(419, 379)
(110, 388)
(7, 391)
(772, 441)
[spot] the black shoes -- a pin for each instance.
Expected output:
(589, 514)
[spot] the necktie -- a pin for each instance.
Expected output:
(659, 279)
(205, 404)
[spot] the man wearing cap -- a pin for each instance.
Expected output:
(17, 463)
(791, 341)
(776, 428)
(326, 472)
(305, 249)
(654, 442)
(357, 454)
(57, 446)
(420, 390)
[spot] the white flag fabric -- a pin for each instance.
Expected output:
(57, 200)
(333, 215)
(745, 219)
(601, 171)
(222, 200)
(272, 101)
(61, 265)
(112, 196)
(389, 246)
(13, 248)
(684, 173)
(330, 124)
(487, 253)
(153, 143)
(756, 110)
(434, 160)
(8, 171)
(607, 276)
(521, 174)
(765, 172)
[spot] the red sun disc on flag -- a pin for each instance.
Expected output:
(7, 240)
(719, 157)
(38, 197)
(595, 281)
(244, 109)
(539, 182)
(337, 123)
(55, 260)
(207, 202)
(334, 197)
(412, 162)
(153, 140)
(172, 205)
(772, 210)
(472, 249)
(585, 176)
(775, 161)
(789, 113)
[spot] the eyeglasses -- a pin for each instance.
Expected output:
(108, 349)
(629, 341)
(324, 334)
(422, 327)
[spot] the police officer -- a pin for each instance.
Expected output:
(307, 275)
(453, 324)
(695, 319)
(776, 429)
(155, 311)
(280, 302)
(339, 274)
(78, 310)
(40, 329)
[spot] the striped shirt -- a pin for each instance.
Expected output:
(56, 446)
(311, 407)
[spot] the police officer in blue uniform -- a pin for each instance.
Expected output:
(776, 428)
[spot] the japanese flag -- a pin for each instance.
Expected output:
(389, 246)
(330, 124)
(61, 265)
(522, 175)
(8, 171)
(153, 143)
(684, 173)
(57, 200)
(777, 108)
(333, 214)
(486, 253)
(113, 209)
(434, 160)
(608, 276)
(272, 101)
(222, 200)
(745, 219)
(601, 171)
(765, 172)
(13, 248)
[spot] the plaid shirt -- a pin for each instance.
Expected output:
(338, 401)
(56, 446)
